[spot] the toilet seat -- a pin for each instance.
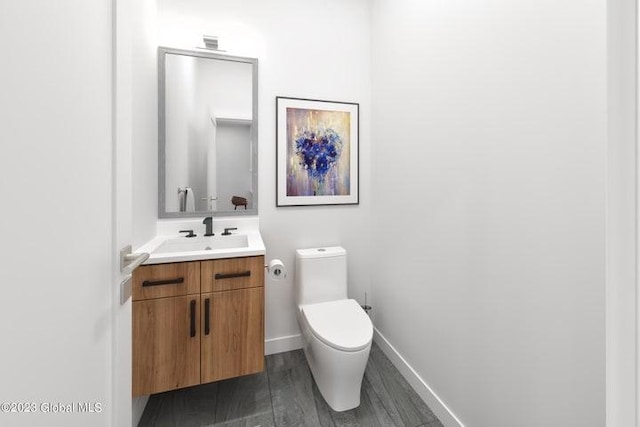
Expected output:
(341, 324)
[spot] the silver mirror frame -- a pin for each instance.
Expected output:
(162, 52)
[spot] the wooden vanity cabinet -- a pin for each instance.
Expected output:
(196, 322)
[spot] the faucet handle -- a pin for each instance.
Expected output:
(190, 233)
(227, 231)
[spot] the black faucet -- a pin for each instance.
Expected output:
(227, 231)
(208, 222)
(189, 233)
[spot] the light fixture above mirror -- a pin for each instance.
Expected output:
(211, 42)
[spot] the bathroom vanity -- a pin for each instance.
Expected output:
(196, 322)
(199, 320)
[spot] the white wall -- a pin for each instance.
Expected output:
(55, 181)
(144, 120)
(490, 133)
(332, 63)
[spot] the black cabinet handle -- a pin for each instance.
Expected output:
(220, 276)
(192, 309)
(163, 282)
(207, 326)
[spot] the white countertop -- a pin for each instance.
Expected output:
(193, 249)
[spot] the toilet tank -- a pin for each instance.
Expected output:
(321, 275)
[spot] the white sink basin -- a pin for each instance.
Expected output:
(163, 249)
(195, 244)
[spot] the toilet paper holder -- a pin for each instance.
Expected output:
(276, 269)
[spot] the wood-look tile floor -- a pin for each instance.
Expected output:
(285, 395)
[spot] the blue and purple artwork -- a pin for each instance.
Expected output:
(318, 152)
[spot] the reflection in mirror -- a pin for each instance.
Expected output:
(207, 134)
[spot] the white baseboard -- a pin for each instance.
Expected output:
(282, 344)
(438, 407)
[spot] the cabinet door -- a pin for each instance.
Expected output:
(232, 334)
(166, 344)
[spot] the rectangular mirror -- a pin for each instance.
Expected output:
(207, 134)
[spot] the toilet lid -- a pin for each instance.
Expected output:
(342, 324)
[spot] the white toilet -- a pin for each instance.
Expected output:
(336, 331)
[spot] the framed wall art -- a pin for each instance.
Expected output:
(316, 152)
